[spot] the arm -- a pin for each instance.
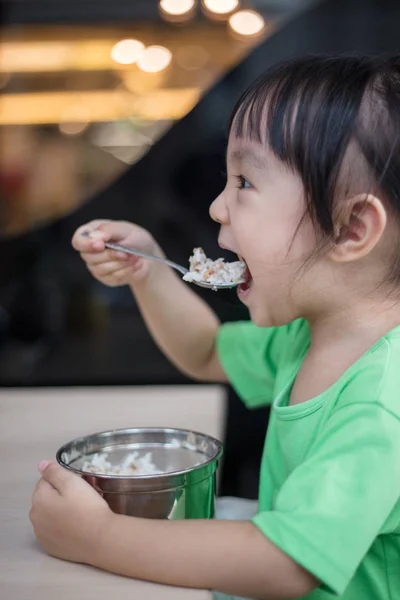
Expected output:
(231, 557)
(183, 326)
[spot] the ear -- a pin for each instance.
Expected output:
(359, 228)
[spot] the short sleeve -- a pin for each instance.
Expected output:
(333, 506)
(250, 356)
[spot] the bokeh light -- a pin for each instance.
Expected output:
(177, 7)
(247, 22)
(221, 7)
(127, 52)
(154, 59)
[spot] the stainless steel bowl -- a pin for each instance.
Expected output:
(185, 489)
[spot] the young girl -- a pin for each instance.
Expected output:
(312, 205)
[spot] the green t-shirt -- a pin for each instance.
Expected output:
(330, 474)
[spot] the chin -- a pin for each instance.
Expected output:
(260, 318)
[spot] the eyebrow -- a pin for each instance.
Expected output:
(247, 155)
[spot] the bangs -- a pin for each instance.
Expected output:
(306, 111)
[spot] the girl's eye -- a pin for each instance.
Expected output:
(243, 184)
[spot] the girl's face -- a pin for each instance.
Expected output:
(261, 214)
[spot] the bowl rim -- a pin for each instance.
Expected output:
(215, 459)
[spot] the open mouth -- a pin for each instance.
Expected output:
(248, 279)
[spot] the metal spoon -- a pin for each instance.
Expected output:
(183, 270)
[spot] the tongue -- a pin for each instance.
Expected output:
(248, 280)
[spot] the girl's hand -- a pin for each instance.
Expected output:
(108, 266)
(67, 514)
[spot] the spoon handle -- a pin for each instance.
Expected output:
(135, 252)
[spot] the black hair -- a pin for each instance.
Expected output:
(311, 110)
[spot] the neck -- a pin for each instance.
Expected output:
(339, 339)
(359, 323)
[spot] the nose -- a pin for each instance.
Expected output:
(219, 211)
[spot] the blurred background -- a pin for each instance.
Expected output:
(118, 109)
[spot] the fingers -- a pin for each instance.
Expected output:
(108, 256)
(115, 230)
(113, 274)
(58, 477)
(43, 496)
(42, 490)
(43, 465)
(35, 494)
(100, 231)
(82, 243)
(106, 269)
(109, 266)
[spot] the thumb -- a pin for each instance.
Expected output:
(113, 230)
(56, 475)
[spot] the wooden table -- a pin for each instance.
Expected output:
(33, 425)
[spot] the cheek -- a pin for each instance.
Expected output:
(279, 233)
(273, 244)
(289, 235)
(304, 241)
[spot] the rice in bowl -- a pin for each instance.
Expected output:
(134, 464)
